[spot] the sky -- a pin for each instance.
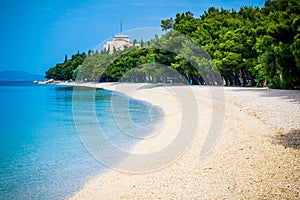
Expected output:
(36, 35)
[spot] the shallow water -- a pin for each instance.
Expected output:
(41, 154)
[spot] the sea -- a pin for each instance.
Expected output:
(41, 153)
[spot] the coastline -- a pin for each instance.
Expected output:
(250, 160)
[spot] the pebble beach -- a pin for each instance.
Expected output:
(256, 154)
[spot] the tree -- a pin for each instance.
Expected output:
(134, 42)
(250, 46)
(64, 71)
(167, 24)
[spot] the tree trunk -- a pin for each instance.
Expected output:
(236, 78)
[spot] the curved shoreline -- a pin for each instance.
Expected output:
(247, 161)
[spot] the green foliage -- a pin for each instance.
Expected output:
(251, 46)
(167, 24)
(65, 70)
(261, 42)
(295, 49)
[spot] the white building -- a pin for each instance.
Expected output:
(118, 43)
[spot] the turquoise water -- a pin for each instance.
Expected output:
(41, 154)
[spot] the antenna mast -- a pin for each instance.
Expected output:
(121, 26)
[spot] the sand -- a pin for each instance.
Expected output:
(256, 154)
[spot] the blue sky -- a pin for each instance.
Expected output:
(35, 35)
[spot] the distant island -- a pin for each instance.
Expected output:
(16, 75)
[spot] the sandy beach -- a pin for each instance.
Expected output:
(255, 153)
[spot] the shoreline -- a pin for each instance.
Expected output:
(247, 161)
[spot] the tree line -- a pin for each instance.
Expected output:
(252, 46)
(68, 69)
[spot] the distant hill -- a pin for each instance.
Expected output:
(15, 75)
